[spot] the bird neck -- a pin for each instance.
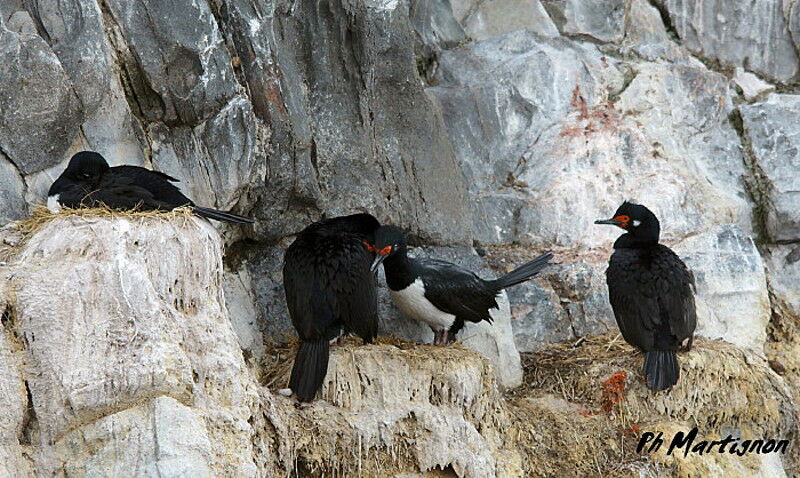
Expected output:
(399, 270)
(636, 241)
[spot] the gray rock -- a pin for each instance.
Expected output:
(569, 301)
(498, 97)
(753, 88)
(113, 130)
(783, 274)
(40, 115)
(266, 273)
(538, 317)
(435, 26)
(603, 20)
(771, 128)
(12, 190)
(647, 37)
(179, 69)
(732, 299)
(217, 159)
(487, 18)
(366, 136)
(753, 34)
(240, 301)
(558, 161)
(74, 30)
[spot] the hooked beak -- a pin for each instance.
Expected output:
(379, 258)
(611, 221)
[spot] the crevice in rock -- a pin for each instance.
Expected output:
(29, 434)
(663, 11)
(32, 7)
(132, 81)
(755, 182)
(221, 20)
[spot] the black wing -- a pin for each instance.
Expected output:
(456, 290)
(329, 285)
(120, 191)
(652, 297)
(311, 312)
(350, 285)
(675, 293)
(156, 183)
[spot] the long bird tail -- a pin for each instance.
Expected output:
(523, 272)
(309, 370)
(661, 369)
(221, 215)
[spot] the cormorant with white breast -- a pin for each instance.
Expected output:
(440, 293)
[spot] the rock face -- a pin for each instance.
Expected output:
(769, 126)
(129, 363)
(753, 34)
(503, 127)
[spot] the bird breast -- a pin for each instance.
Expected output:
(412, 303)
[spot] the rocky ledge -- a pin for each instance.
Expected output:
(118, 357)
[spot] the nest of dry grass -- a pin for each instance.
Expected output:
(19, 232)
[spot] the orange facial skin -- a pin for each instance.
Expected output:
(624, 220)
(385, 251)
(369, 246)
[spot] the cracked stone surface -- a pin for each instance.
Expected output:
(499, 125)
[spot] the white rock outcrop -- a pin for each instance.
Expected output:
(122, 324)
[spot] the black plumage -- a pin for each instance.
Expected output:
(329, 287)
(440, 293)
(88, 181)
(652, 294)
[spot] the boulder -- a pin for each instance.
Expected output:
(732, 298)
(40, 115)
(137, 334)
(753, 88)
(602, 20)
(770, 127)
(498, 97)
(485, 19)
(179, 69)
(753, 34)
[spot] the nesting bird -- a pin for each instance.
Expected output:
(439, 293)
(88, 181)
(652, 294)
(329, 287)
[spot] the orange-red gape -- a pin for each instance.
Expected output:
(624, 220)
(385, 251)
(369, 246)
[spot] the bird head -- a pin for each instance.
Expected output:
(639, 221)
(389, 240)
(86, 167)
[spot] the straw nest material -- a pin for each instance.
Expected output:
(394, 406)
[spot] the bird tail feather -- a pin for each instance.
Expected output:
(221, 215)
(309, 370)
(523, 272)
(661, 369)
